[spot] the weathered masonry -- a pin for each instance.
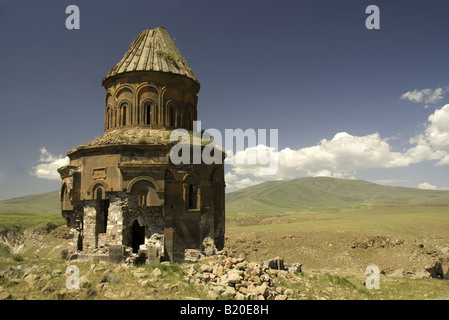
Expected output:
(121, 195)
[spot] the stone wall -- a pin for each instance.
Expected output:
(115, 220)
(89, 224)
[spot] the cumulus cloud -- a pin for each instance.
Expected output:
(425, 95)
(345, 154)
(341, 156)
(235, 182)
(437, 131)
(427, 186)
(48, 168)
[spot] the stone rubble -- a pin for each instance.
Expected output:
(235, 278)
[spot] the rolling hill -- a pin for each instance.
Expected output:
(42, 203)
(325, 193)
(320, 193)
(23, 212)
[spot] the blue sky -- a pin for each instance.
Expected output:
(310, 69)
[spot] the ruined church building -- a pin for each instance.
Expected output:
(121, 195)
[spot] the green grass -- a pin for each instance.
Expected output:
(171, 284)
(43, 203)
(407, 219)
(21, 221)
(313, 221)
(4, 252)
(336, 287)
(328, 240)
(24, 212)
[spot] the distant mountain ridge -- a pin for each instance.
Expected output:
(277, 196)
(323, 192)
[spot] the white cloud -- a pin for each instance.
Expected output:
(341, 157)
(234, 182)
(244, 183)
(437, 131)
(229, 177)
(444, 160)
(49, 166)
(427, 186)
(345, 154)
(425, 95)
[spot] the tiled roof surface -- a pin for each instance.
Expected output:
(153, 50)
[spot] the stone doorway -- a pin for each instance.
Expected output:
(137, 235)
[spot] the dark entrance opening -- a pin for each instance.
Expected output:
(137, 235)
(193, 196)
(79, 243)
(102, 216)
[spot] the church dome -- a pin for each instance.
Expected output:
(153, 50)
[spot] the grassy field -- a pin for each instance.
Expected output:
(335, 228)
(48, 282)
(326, 239)
(45, 279)
(407, 219)
(322, 241)
(21, 221)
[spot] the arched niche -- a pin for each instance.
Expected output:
(149, 112)
(66, 204)
(97, 188)
(108, 123)
(171, 111)
(192, 192)
(146, 190)
(109, 120)
(124, 91)
(147, 94)
(99, 194)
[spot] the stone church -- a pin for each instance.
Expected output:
(121, 195)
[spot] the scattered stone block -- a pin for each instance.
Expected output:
(156, 273)
(109, 276)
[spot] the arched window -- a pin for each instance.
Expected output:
(146, 194)
(64, 193)
(108, 118)
(123, 114)
(193, 196)
(148, 113)
(99, 194)
(65, 201)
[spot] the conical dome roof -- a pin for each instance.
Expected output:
(153, 50)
